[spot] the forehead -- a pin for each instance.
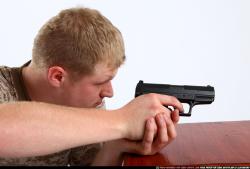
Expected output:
(101, 69)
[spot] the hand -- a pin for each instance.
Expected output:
(145, 107)
(159, 132)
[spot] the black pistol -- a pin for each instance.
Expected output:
(192, 95)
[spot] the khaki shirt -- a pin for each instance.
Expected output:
(12, 89)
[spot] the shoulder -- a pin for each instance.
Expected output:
(7, 91)
(5, 75)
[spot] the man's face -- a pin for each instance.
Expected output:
(89, 91)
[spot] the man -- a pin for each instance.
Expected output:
(49, 114)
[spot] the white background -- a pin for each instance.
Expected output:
(182, 42)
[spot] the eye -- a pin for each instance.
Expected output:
(104, 82)
(101, 83)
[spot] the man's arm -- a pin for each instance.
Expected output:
(32, 128)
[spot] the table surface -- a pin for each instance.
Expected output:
(212, 143)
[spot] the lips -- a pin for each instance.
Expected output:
(100, 104)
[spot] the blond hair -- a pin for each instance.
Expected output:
(77, 39)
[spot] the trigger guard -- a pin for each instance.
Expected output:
(189, 112)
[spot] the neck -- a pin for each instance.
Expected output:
(36, 84)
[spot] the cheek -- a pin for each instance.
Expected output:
(84, 97)
(90, 91)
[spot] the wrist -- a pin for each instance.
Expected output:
(121, 123)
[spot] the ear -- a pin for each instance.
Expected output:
(56, 76)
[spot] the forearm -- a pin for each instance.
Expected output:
(31, 128)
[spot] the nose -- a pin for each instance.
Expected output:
(107, 90)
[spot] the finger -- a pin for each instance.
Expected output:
(162, 132)
(167, 111)
(170, 128)
(175, 116)
(149, 133)
(144, 147)
(155, 127)
(170, 101)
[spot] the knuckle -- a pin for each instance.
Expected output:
(154, 108)
(173, 99)
(152, 95)
(154, 102)
(167, 114)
